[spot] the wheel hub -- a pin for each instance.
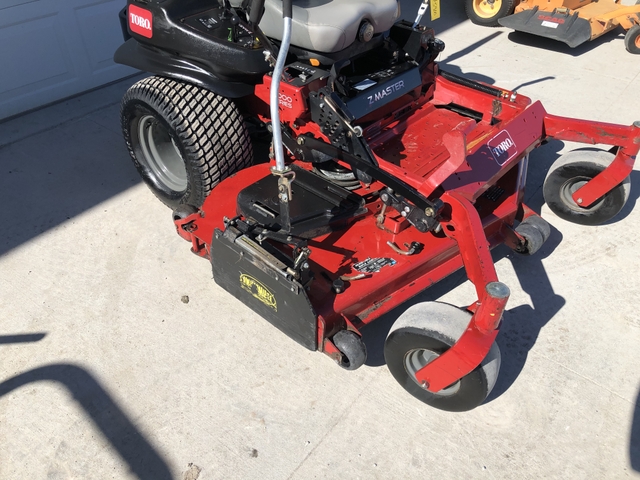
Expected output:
(161, 155)
(416, 359)
(487, 8)
(569, 188)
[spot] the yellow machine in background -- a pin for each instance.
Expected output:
(570, 21)
(488, 12)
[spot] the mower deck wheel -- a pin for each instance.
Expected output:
(353, 349)
(573, 170)
(183, 211)
(632, 40)
(536, 231)
(487, 12)
(183, 139)
(421, 334)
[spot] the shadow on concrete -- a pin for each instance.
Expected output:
(106, 415)
(555, 46)
(521, 325)
(633, 198)
(55, 174)
(446, 65)
(22, 338)
(533, 82)
(634, 441)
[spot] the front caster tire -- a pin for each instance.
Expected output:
(569, 173)
(487, 12)
(183, 139)
(353, 349)
(632, 40)
(421, 334)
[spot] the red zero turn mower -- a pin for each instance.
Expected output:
(387, 174)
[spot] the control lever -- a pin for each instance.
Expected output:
(255, 12)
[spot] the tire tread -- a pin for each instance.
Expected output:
(216, 147)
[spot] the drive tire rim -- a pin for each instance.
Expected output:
(161, 155)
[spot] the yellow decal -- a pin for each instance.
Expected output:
(258, 290)
(435, 9)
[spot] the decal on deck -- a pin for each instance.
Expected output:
(373, 265)
(502, 147)
(258, 290)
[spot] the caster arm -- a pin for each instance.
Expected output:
(627, 138)
(465, 227)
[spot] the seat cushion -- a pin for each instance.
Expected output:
(328, 26)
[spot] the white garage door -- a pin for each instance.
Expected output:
(51, 49)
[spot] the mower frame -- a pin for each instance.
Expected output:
(437, 166)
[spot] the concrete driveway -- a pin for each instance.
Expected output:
(106, 372)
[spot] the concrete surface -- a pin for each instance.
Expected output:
(106, 373)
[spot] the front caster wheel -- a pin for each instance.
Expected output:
(421, 334)
(353, 349)
(570, 172)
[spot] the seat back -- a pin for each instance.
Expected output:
(328, 26)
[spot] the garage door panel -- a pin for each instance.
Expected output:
(52, 49)
(28, 68)
(6, 4)
(21, 11)
(96, 24)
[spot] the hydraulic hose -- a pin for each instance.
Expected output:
(274, 98)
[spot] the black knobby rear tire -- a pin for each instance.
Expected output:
(487, 12)
(573, 170)
(183, 139)
(422, 333)
(632, 40)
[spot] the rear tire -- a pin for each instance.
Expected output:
(183, 139)
(487, 12)
(632, 40)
